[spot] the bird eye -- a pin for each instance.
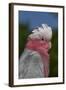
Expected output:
(42, 39)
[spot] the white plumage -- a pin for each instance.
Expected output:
(43, 32)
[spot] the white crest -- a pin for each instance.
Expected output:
(43, 32)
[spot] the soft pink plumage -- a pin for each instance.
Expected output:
(42, 48)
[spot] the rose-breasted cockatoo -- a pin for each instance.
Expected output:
(34, 61)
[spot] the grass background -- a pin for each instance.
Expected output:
(23, 34)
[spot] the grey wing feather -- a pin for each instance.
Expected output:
(30, 65)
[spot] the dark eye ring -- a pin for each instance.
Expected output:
(42, 39)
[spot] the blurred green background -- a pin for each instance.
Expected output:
(23, 34)
(54, 55)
